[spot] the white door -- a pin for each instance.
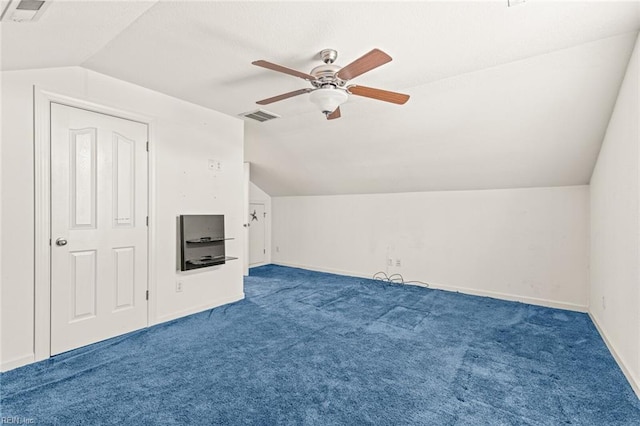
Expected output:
(257, 250)
(98, 227)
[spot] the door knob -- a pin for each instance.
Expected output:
(61, 242)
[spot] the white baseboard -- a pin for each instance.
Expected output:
(255, 265)
(321, 269)
(210, 305)
(17, 362)
(635, 383)
(29, 359)
(513, 298)
(475, 292)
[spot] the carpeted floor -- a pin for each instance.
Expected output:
(320, 349)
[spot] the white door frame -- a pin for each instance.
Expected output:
(245, 220)
(42, 100)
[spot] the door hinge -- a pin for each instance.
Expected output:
(264, 251)
(49, 241)
(264, 214)
(147, 220)
(147, 146)
(147, 295)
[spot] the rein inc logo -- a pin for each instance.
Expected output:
(17, 420)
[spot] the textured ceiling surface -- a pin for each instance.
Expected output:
(68, 33)
(500, 97)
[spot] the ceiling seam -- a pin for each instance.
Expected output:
(154, 3)
(550, 52)
(613, 106)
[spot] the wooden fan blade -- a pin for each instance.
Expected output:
(371, 60)
(280, 68)
(335, 114)
(381, 95)
(283, 96)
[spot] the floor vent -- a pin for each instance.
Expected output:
(259, 115)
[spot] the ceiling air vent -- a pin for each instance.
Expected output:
(24, 10)
(259, 115)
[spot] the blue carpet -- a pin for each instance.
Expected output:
(321, 349)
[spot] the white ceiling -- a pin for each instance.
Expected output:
(500, 97)
(67, 34)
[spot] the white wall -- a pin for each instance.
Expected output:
(1, 207)
(257, 195)
(517, 244)
(184, 137)
(615, 229)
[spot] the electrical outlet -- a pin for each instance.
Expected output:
(277, 249)
(178, 286)
(215, 165)
(398, 262)
(511, 3)
(389, 262)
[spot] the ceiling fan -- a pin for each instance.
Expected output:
(329, 81)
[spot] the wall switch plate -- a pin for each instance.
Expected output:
(215, 165)
(178, 286)
(389, 262)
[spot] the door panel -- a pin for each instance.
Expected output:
(83, 178)
(124, 264)
(124, 181)
(98, 227)
(83, 285)
(257, 249)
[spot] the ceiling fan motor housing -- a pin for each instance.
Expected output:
(326, 76)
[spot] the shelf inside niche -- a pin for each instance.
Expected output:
(202, 242)
(203, 263)
(206, 240)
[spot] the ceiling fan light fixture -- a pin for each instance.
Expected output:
(328, 100)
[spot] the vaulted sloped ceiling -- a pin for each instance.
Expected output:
(501, 96)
